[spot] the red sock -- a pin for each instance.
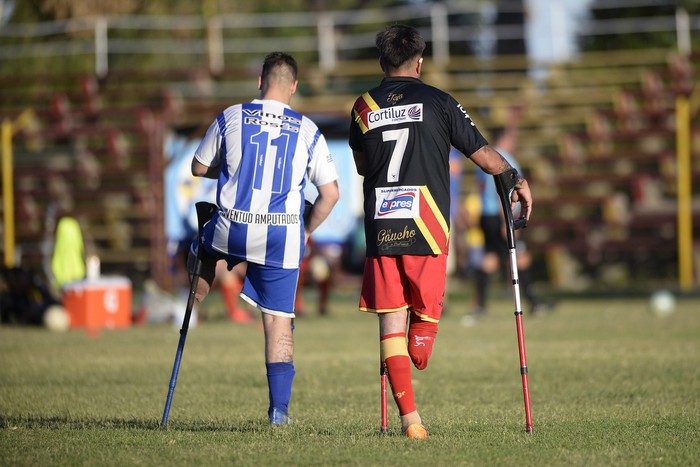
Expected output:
(398, 366)
(421, 337)
(229, 291)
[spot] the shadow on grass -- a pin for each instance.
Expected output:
(250, 426)
(63, 422)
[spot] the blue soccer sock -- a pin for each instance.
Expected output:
(279, 382)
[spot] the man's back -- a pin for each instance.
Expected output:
(405, 130)
(264, 148)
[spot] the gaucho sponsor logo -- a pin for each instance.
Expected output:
(402, 201)
(386, 238)
(397, 114)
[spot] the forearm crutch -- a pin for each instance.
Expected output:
(205, 211)
(505, 184)
(384, 428)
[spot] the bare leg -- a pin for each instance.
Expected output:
(279, 341)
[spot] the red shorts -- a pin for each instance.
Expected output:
(396, 283)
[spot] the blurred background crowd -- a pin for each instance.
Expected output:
(103, 103)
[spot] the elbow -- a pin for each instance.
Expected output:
(336, 192)
(199, 169)
(332, 197)
(336, 198)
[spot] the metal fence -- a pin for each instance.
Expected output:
(230, 40)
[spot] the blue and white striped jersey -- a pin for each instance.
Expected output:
(264, 149)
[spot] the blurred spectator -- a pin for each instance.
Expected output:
(23, 297)
(492, 224)
(320, 267)
(468, 224)
(230, 284)
(68, 259)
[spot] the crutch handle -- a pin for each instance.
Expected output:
(519, 223)
(205, 211)
(505, 184)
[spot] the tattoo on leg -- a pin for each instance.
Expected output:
(285, 346)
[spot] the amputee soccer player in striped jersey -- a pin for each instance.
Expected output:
(401, 133)
(260, 153)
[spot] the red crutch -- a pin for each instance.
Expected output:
(505, 184)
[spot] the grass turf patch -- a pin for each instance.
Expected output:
(610, 384)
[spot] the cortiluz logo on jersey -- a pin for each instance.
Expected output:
(397, 202)
(369, 115)
(393, 115)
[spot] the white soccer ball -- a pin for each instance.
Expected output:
(56, 319)
(662, 303)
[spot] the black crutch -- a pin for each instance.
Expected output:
(205, 211)
(505, 184)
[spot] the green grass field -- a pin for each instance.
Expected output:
(610, 384)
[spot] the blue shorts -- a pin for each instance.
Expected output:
(270, 289)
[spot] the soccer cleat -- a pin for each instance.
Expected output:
(415, 431)
(277, 417)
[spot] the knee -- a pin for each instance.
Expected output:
(202, 289)
(205, 271)
(490, 263)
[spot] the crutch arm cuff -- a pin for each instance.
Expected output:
(507, 180)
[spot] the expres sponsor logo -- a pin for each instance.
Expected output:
(397, 203)
(399, 114)
(389, 206)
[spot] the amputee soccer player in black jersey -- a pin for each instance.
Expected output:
(401, 133)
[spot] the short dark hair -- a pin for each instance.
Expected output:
(398, 44)
(279, 64)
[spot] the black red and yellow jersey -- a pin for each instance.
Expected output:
(405, 129)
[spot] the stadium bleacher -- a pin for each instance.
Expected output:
(597, 141)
